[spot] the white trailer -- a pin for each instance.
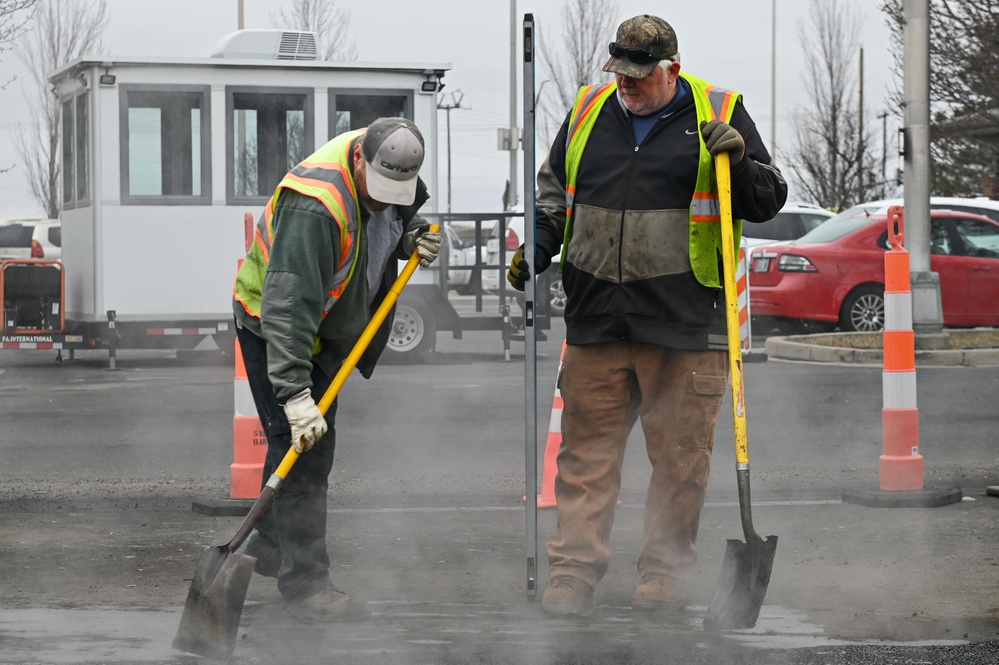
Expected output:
(162, 158)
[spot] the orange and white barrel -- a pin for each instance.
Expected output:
(901, 464)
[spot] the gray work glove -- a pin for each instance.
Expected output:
(722, 137)
(306, 420)
(424, 242)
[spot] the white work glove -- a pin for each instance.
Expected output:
(424, 242)
(306, 420)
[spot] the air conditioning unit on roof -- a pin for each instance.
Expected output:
(267, 45)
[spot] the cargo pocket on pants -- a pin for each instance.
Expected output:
(702, 403)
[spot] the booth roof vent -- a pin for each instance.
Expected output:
(267, 45)
(297, 46)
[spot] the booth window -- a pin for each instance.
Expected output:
(165, 155)
(76, 150)
(268, 132)
(354, 109)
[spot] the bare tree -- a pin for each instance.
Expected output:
(829, 159)
(330, 23)
(14, 15)
(574, 61)
(964, 92)
(62, 30)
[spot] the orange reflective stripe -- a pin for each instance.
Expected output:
(730, 98)
(714, 111)
(264, 246)
(704, 207)
(721, 102)
(317, 171)
(318, 189)
(590, 99)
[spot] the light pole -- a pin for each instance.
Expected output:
(773, 78)
(456, 98)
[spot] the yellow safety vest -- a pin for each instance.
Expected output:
(325, 176)
(710, 103)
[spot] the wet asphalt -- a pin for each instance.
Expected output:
(101, 469)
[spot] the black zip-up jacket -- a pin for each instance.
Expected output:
(627, 273)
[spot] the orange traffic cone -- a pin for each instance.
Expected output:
(550, 466)
(249, 441)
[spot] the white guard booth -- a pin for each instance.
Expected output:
(162, 158)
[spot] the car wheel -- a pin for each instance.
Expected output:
(414, 332)
(864, 310)
(556, 297)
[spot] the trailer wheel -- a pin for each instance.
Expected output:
(226, 341)
(414, 332)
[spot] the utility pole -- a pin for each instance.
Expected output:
(240, 27)
(456, 98)
(927, 310)
(860, 134)
(511, 199)
(884, 149)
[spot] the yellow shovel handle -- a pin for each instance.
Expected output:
(359, 348)
(724, 176)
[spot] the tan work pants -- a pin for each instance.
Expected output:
(606, 388)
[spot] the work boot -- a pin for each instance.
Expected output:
(659, 592)
(570, 596)
(330, 604)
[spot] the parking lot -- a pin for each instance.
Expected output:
(426, 519)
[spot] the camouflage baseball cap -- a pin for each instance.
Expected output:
(644, 33)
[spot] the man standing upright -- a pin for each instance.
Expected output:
(628, 192)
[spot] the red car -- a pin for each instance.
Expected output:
(835, 274)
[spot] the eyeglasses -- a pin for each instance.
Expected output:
(638, 56)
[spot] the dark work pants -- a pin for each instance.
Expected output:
(294, 530)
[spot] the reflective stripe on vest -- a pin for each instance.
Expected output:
(710, 103)
(325, 176)
(589, 101)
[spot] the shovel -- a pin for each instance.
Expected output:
(745, 571)
(210, 620)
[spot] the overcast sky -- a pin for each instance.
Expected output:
(727, 42)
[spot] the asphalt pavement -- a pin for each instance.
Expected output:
(101, 468)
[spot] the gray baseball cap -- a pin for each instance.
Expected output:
(393, 149)
(645, 33)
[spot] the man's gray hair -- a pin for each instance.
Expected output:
(666, 64)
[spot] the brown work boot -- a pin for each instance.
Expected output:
(570, 596)
(331, 604)
(659, 592)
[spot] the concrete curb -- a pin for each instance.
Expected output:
(803, 348)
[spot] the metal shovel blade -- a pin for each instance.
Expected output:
(210, 620)
(742, 584)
